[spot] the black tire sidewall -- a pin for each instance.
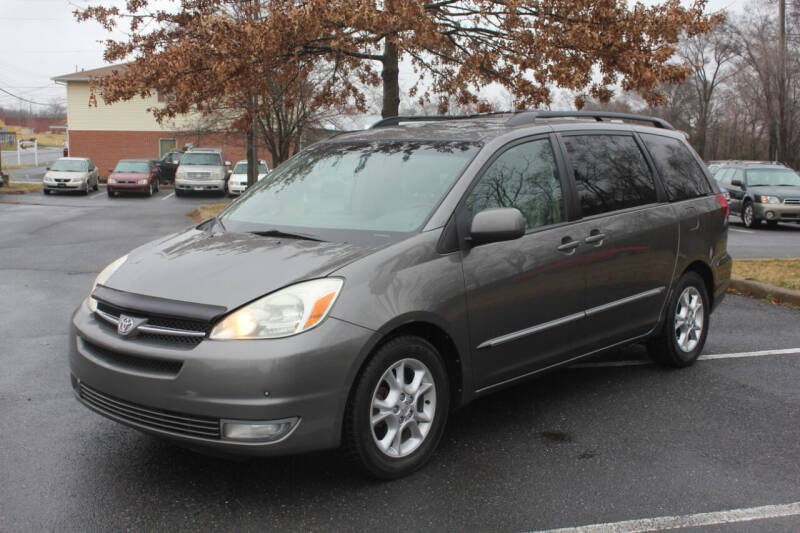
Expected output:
(375, 462)
(679, 357)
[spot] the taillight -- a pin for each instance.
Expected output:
(723, 203)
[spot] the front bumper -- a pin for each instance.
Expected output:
(199, 185)
(128, 187)
(76, 186)
(236, 188)
(777, 212)
(307, 376)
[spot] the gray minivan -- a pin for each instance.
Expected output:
(378, 280)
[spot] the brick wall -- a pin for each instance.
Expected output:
(106, 148)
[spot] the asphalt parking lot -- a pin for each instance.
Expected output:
(612, 440)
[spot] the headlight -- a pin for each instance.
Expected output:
(289, 311)
(112, 180)
(102, 277)
(768, 199)
(142, 182)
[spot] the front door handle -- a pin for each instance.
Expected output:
(568, 245)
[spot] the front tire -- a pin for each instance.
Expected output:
(685, 326)
(398, 410)
(749, 216)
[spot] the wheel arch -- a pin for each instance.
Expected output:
(705, 272)
(431, 332)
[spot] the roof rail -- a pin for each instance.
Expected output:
(529, 117)
(395, 121)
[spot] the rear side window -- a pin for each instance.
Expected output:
(724, 175)
(524, 176)
(610, 173)
(679, 170)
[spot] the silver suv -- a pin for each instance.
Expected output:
(202, 169)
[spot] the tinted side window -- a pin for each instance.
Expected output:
(610, 173)
(682, 176)
(524, 176)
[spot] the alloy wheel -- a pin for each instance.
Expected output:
(403, 408)
(689, 319)
(747, 216)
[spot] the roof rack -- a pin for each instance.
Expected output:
(395, 121)
(529, 117)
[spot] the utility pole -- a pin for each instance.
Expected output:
(782, 115)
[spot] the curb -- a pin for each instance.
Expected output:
(764, 290)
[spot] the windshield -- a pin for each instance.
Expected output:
(364, 187)
(132, 166)
(201, 158)
(241, 168)
(70, 165)
(772, 177)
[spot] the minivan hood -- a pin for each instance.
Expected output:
(780, 192)
(227, 269)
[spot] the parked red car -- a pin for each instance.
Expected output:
(133, 175)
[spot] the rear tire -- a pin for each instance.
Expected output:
(46, 191)
(686, 324)
(417, 403)
(178, 192)
(110, 193)
(96, 186)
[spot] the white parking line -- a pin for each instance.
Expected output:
(737, 230)
(170, 195)
(662, 523)
(707, 357)
(92, 197)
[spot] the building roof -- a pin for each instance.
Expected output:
(84, 75)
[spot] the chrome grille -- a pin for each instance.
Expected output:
(198, 175)
(792, 201)
(162, 329)
(147, 417)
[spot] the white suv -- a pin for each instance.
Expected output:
(201, 169)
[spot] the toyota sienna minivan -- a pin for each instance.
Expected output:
(376, 281)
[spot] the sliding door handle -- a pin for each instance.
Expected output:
(595, 238)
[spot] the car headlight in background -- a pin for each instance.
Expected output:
(112, 180)
(101, 278)
(768, 199)
(143, 182)
(286, 312)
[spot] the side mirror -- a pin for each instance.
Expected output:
(495, 225)
(738, 183)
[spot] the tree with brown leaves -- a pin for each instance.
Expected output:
(228, 52)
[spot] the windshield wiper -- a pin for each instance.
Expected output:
(279, 233)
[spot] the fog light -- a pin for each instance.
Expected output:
(267, 431)
(770, 215)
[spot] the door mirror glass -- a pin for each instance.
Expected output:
(495, 225)
(738, 183)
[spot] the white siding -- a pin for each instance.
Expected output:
(131, 115)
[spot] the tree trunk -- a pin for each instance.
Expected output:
(252, 156)
(391, 80)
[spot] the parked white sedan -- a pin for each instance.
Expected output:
(237, 183)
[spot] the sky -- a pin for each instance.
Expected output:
(40, 39)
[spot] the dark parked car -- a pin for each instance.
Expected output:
(168, 164)
(133, 175)
(768, 192)
(377, 280)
